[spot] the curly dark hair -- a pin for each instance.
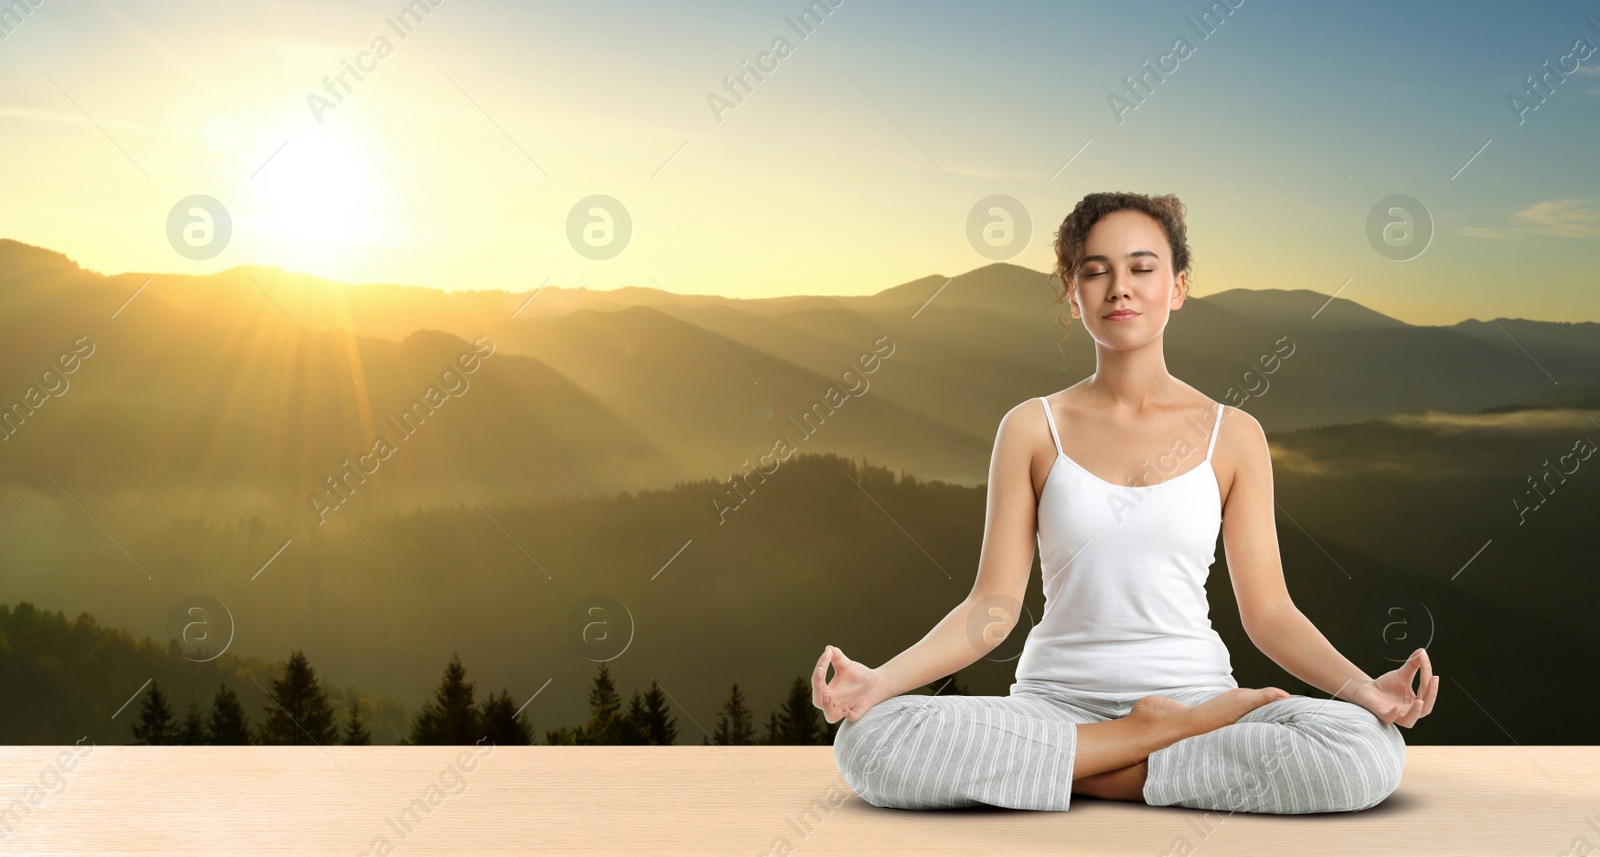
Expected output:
(1165, 210)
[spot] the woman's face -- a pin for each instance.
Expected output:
(1126, 290)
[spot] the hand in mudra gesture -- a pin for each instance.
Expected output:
(855, 687)
(1390, 697)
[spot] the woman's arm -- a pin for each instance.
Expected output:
(1249, 535)
(990, 611)
(1270, 618)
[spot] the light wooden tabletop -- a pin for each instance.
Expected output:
(711, 800)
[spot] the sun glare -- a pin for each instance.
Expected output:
(318, 197)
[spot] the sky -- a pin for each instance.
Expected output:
(511, 145)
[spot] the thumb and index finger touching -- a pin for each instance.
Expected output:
(819, 676)
(1421, 699)
(832, 655)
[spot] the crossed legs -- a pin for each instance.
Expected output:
(1294, 755)
(1243, 749)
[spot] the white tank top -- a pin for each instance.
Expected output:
(1124, 573)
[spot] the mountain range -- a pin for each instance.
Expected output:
(199, 440)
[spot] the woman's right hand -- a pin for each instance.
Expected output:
(855, 687)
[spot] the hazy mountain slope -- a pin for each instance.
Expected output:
(1568, 351)
(1296, 308)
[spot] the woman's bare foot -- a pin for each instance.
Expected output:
(1156, 722)
(1230, 705)
(1184, 720)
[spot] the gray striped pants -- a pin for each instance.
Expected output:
(1294, 755)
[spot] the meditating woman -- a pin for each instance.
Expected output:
(1123, 689)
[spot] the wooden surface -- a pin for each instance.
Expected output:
(710, 800)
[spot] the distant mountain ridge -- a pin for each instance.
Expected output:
(602, 391)
(1301, 307)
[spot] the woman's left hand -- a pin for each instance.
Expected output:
(1390, 697)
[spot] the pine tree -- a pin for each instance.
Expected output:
(733, 725)
(227, 722)
(356, 731)
(605, 724)
(772, 736)
(502, 724)
(799, 721)
(451, 717)
(155, 724)
(632, 729)
(193, 730)
(657, 723)
(298, 712)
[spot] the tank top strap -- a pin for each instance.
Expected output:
(1215, 425)
(1051, 417)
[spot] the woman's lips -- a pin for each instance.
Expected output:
(1122, 315)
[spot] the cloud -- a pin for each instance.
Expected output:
(1562, 218)
(1572, 218)
(1328, 459)
(1537, 420)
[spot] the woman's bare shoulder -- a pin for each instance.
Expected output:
(1239, 424)
(1240, 439)
(1025, 422)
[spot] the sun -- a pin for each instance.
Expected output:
(319, 198)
